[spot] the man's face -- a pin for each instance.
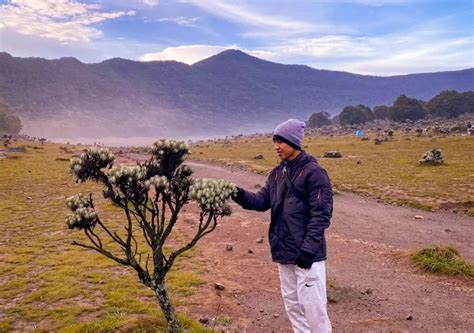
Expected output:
(284, 151)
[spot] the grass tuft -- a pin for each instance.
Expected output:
(442, 259)
(470, 212)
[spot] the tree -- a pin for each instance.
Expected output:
(468, 101)
(9, 123)
(353, 115)
(407, 108)
(318, 119)
(381, 112)
(151, 196)
(450, 103)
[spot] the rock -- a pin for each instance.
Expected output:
(204, 320)
(332, 154)
(259, 240)
(29, 198)
(410, 317)
(448, 230)
(368, 291)
(219, 286)
(229, 247)
(250, 251)
(257, 186)
(261, 310)
(359, 162)
(259, 157)
(378, 141)
(276, 315)
(418, 217)
(365, 138)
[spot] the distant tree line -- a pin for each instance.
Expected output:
(448, 104)
(9, 123)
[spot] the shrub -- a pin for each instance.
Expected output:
(432, 157)
(151, 196)
(442, 259)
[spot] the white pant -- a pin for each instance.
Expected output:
(304, 295)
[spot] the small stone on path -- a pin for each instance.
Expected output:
(219, 286)
(418, 217)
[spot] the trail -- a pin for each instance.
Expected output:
(374, 285)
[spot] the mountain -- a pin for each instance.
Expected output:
(229, 93)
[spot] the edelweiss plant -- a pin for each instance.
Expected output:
(432, 157)
(151, 195)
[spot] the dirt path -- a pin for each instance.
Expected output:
(375, 287)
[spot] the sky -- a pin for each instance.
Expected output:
(373, 37)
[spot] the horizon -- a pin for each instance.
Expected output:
(366, 37)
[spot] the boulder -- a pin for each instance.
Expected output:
(332, 154)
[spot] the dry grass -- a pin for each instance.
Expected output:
(48, 284)
(390, 172)
(442, 259)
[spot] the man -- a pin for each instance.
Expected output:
(299, 194)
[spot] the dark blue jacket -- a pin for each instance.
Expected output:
(299, 214)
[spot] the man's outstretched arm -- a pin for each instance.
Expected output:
(259, 201)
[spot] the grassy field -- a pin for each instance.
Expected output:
(390, 171)
(46, 284)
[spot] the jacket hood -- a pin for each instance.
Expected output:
(302, 159)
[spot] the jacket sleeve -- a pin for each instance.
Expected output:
(259, 201)
(321, 206)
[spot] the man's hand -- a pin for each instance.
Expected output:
(237, 197)
(304, 260)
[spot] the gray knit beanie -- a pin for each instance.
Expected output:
(292, 131)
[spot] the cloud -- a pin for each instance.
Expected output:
(416, 56)
(63, 20)
(376, 3)
(188, 54)
(241, 14)
(373, 3)
(420, 51)
(181, 20)
(151, 3)
(22, 45)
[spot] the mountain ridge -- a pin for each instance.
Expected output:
(229, 93)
